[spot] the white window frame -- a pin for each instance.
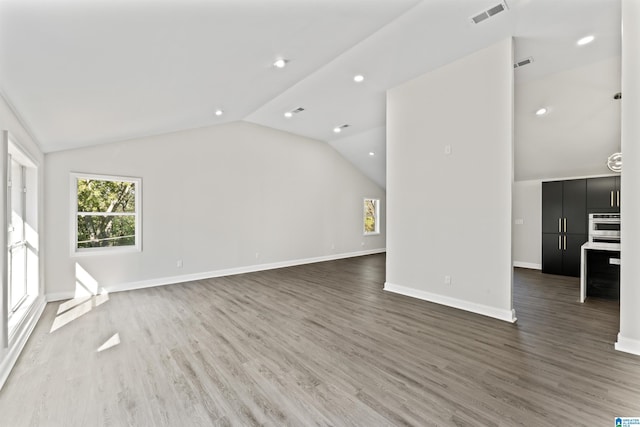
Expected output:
(15, 319)
(376, 202)
(75, 251)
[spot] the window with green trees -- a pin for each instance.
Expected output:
(371, 216)
(107, 212)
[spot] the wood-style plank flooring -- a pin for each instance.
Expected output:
(321, 344)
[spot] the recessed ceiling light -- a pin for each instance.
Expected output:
(288, 114)
(219, 112)
(541, 112)
(280, 63)
(371, 153)
(585, 40)
(358, 78)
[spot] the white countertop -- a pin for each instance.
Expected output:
(602, 246)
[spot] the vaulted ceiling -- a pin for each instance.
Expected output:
(81, 73)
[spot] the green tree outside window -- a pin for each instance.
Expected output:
(106, 213)
(371, 216)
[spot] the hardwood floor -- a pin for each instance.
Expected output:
(321, 344)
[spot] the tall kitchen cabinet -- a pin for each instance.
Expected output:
(564, 225)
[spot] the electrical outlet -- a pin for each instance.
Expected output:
(447, 280)
(179, 263)
(257, 255)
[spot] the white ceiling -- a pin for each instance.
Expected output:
(581, 129)
(80, 73)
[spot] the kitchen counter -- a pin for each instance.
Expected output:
(613, 247)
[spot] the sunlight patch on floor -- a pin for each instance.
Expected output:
(68, 305)
(71, 315)
(88, 295)
(111, 342)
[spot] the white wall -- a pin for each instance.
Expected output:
(629, 336)
(450, 215)
(356, 149)
(235, 197)
(527, 224)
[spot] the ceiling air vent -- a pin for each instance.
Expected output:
(524, 62)
(289, 114)
(486, 14)
(338, 129)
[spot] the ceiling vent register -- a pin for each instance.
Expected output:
(338, 129)
(484, 15)
(522, 63)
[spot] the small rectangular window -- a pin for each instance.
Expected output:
(371, 216)
(106, 213)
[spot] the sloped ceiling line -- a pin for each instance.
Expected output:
(85, 73)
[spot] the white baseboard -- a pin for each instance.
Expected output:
(217, 273)
(19, 339)
(485, 310)
(530, 265)
(628, 345)
(60, 296)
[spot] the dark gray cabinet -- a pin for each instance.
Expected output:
(561, 253)
(552, 207)
(564, 225)
(603, 274)
(603, 194)
(552, 253)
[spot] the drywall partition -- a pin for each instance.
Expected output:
(219, 200)
(449, 183)
(629, 336)
(527, 224)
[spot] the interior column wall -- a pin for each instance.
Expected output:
(629, 336)
(449, 184)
